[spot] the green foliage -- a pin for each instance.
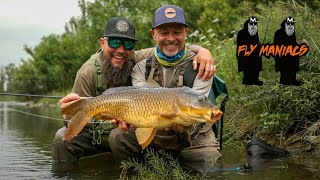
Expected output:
(213, 20)
(24, 78)
(157, 165)
(271, 121)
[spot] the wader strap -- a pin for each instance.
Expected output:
(159, 74)
(148, 67)
(154, 70)
(97, 74)
(99, 78)
(189, 75)
(151, 67)
(181, 71)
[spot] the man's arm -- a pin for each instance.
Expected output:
(138, 74)
(203, 57)
(202, 87)
(142, 54)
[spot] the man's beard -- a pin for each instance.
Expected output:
(252, 30)
(115, 76)
(170, 53)
(289, 30)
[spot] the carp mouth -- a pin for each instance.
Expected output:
(215, 115)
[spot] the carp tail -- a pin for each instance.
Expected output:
(76, 124)
(80, 118)
(73, 108)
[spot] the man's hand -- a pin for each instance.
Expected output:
(207, 65)
(66, 101)
(122, 125)
(175, 127)
(69, 99)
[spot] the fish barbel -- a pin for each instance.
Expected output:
(149, 109)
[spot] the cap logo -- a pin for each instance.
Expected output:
(122, 26)
(170, 13)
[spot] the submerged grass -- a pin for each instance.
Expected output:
(156, 165)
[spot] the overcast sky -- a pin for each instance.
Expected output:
(27, 21)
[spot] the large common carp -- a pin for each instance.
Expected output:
(147, 108)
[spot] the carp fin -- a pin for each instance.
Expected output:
(152, 83)
(73, 108)
(76, 124)
(104, 116)
(115, 89)
(145, 136)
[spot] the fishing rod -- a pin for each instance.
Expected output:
(222, 108)
(31, 95)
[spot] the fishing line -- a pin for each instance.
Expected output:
(47, 117)
(31, 95)
(225, 169)
(31, 114)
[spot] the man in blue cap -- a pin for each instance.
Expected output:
(171, 66)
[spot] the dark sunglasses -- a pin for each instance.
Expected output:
(116, 43)
(253, 23)
(290, 23)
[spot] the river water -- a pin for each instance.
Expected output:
(26, 135)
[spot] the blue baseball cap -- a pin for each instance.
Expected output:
(168, 14)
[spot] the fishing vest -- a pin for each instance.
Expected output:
(183, 76)
(101, 85)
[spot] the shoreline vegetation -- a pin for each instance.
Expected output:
(285, 116)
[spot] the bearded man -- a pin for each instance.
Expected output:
(251, 64)
(110, 66)
(287, 65)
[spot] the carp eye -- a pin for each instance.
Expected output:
(200, 98)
